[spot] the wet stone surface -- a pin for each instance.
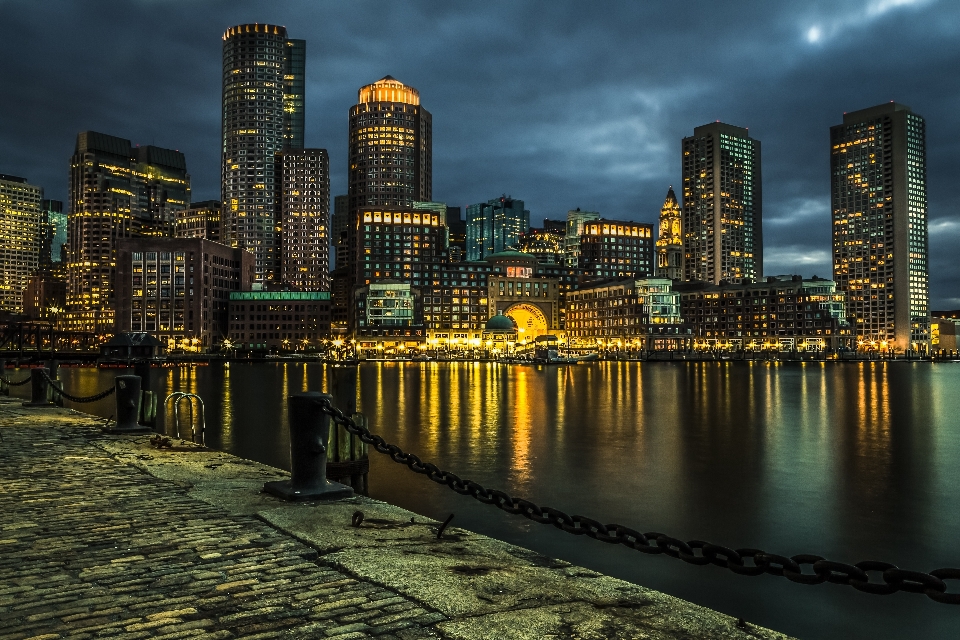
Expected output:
(103, 536)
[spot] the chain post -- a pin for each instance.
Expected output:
(309, 428)
(38, 389)
(128, 406)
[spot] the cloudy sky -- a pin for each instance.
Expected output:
(561, 104)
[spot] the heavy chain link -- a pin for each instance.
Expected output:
(746, 561)
(79, 400)
(15, 384)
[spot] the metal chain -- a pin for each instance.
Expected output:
(79, 400)
(747, 562)
(15, 384)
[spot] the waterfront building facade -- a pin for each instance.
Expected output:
(574, 230)
(943, 334)
(391, 147)
(494, 226)
(178, 289)
(262, 114)
(279, 320)
(616, 249)
(304, 219)
(722, 205)
(389, 318)
(783, 313)
(200, 220)
(21, 216)
(670, 239)
(627, 314)
(879, 208)
(117, 191)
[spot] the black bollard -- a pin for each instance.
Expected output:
(309, 434)
(128, 406)
(38, 389)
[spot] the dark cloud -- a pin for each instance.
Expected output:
(562, 104)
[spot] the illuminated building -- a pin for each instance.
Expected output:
(263, 113)
(116, 191)
(627, 314)
(616, 249)
(178, 289)
(53, 234)
(722, 208)
(388, 316)
(46, 294)
(670, 240)
(20, 235)
(547, 244)
(575, 221)
(390, 162)
(275, 320)
(200, 220)
(943, 334)
(494, 226)
(879, 205)
(783, 313)
(304, 219)
(521, 293)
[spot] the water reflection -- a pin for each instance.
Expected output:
(851, 461)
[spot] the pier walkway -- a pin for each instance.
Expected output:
(104, 536)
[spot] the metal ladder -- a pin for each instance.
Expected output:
(197, 436)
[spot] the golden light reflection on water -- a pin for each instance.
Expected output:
(226, 408)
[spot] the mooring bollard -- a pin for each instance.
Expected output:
(128, 406)
(38, 389)
(309, 433)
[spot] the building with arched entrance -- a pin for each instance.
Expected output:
(524, 295)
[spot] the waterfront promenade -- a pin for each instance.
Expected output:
(107, 537)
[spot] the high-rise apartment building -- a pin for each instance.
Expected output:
(571, 242)
(304, 219)
(494, 226)
(20, 227)
(391, 160)
(879, 204)
(722, 205)
(670, 239)
(200, 220)
(263, 111)
(616, 249)
(116, 191)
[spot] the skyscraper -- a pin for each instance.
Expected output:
(116, 191)
(20, 219)
(390, 147)
(670, 240)
(304, 221)
(263, 110)
(879, 204)
(722, 205)
(495, 225)
(571, 242)
(53, 233)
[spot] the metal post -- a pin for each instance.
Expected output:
(38, 389)
(309, 434)
(128, 406)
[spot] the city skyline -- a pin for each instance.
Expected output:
(616, 158)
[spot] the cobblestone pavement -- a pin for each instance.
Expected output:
(91, 548)
(103, 536)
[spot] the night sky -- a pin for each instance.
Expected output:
(560, 104)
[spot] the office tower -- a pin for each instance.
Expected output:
(575, 222)
(53, 234)
(616, 249)
(403, 244)
(263, 107)
(670, 240)
(390, 162)
(178, 289)
(116, 191)
(339, 222)
(494, 226)
(304, 219)
(879, 204)
(722, 205)
(200, 220)
(20, 226)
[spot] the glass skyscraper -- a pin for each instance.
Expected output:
(722, 207)
(53, 233)
(494, 226)
(263, 112)
(879, 207)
